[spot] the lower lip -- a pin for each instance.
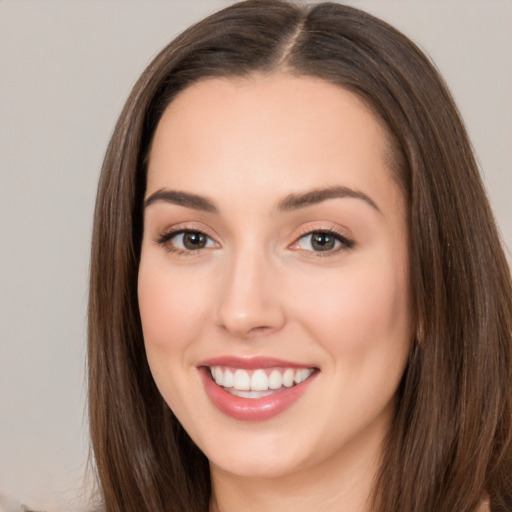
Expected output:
(252, 409)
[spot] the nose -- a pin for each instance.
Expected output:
(249, 304)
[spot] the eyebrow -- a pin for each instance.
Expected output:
(289, 203)
(181, 199)
(296, 201)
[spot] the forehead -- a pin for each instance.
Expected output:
(265, 131)
(278, 99)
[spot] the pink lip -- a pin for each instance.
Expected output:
(251, 363)
(252, 409)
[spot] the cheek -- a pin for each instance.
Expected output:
(170, 311)
(361, 312)
(363, 323)
(172, 321)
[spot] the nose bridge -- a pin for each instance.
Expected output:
(249, 301)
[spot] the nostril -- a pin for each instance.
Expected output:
(260, 330)
(250, 332)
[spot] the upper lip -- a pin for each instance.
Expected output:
(252, 363)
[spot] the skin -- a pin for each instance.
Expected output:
(258, 288)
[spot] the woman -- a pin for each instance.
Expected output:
(298, 295)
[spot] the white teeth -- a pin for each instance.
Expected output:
(302, 375)
(250, 394)
(288, 378)
(242, 381)
(218, 375)
(229, 379)
(260, 382)
(275, 380)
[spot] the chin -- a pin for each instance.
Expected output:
(260, 468)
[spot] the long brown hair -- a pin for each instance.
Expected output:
(450, 442)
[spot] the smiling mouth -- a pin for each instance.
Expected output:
(258, 383)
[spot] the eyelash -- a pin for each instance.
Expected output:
(344, 242)
(166, 237)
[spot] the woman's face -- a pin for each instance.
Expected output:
(274, 261)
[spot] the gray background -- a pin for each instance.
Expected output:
(66, 68)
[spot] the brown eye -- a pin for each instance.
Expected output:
(186, 241)
(193, 240)
(322, 242)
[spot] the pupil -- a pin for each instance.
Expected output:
(322, 242)
(194, 240)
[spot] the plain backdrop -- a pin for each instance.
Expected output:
(66, 68)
